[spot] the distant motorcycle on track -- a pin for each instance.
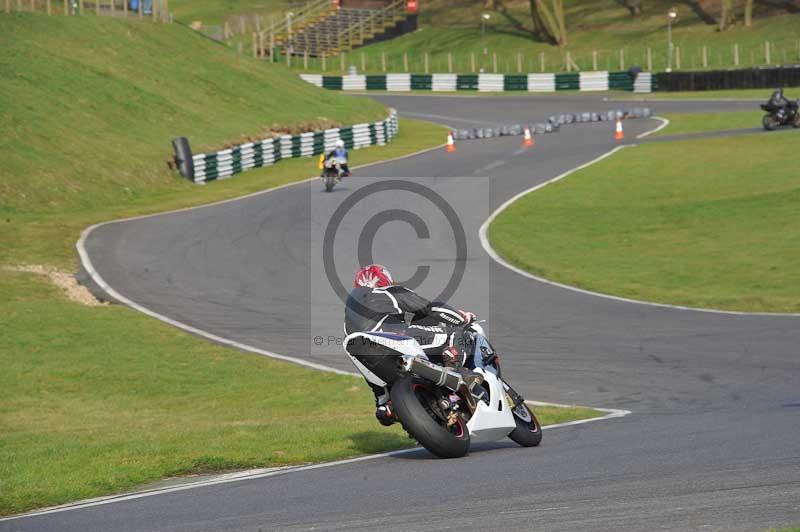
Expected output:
(780, 115)
(433, 403)
(332, 172)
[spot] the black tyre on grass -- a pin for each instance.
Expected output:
(528, 432)
(415, 405)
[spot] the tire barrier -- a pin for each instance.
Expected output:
(581, 81)
(222, 164)
(748, 78)
(552, 125)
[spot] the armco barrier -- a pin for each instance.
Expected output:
(583, 81)
(225, 163)
(749, 78)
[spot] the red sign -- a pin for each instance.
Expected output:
(411, 6)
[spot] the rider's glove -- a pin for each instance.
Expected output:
(469, 317)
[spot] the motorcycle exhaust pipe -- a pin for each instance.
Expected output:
(440, 375)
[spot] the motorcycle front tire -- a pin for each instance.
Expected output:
(329, 182)
(421, 425)
(527, 433)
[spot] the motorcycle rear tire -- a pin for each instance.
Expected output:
(770, 123)
(421, 425)
(527, 433)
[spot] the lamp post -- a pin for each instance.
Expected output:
(672, 15)
(484, 19)
(289, 44)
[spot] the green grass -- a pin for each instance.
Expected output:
(89, 106)
(99, 400)
(681, 123)
(760, 95)
(216, 11)
(449, 26)
(708, 223)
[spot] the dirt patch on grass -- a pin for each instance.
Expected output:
(65, 281)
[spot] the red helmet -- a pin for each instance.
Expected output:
(373, 276)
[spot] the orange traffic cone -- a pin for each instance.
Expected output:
(528, 142)
(451, 145)
(619, 134)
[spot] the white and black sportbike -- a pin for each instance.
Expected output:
(438, 406)
(332, 172)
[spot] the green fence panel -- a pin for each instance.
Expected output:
(515, 82)
(421, 82)
(376, 83)
(276, 149)
(346, 134)
(332, 82)
(620, 81)
(568, 81)
(296, 146)
(467, 82)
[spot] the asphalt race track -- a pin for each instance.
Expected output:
(713, 442)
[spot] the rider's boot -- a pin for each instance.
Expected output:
(384, 411)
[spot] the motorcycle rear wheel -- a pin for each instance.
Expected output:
(414, 405)
(528, 432)
(770, 123)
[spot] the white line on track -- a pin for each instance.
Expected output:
(497, 258)
(253, 474)
(664, 123)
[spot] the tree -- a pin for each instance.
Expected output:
(726, 14)
(548, 21)
(748, 13)
(634, 6)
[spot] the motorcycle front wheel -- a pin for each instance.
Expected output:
(330, 180)
(415, 405)
(528, 432)
(770, 122)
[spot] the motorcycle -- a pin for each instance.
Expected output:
(780, 115)
(333, 172)
(434, 404)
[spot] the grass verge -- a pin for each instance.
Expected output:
(700, 223)
(760, 95)
(680, 123)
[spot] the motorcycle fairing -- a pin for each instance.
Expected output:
(494, 421)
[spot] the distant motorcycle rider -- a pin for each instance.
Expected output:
(377, 304)
(340, 152)
(778, 100)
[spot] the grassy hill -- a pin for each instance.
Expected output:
(89, 106)
(605, 26)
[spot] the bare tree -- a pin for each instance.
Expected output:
(726, 14)
(548, 21)
(748, 13)
(634, 6)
